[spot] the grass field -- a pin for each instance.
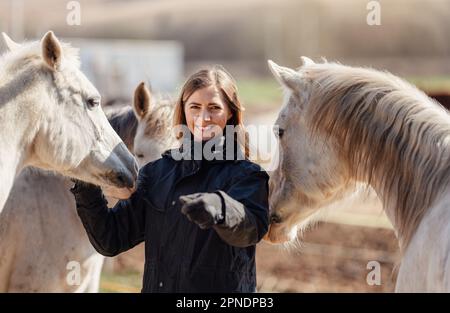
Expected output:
(260, 94)
(126, 281)
(265, 93)
(431, 84)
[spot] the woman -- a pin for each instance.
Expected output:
(200, 217)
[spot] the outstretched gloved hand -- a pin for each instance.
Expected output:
(204, 209)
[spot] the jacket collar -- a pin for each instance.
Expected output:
(214, 150)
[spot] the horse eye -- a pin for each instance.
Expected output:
(279, 132)
(93, 102)
(140, 155)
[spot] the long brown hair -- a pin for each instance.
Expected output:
(218, 77)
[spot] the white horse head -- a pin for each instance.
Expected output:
(341, 126)
(144, 126)
(52, 119)
(309, 174)
(153, 134)
(39, 195)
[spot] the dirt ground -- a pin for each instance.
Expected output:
(333, 258)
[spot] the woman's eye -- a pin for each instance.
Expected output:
(140, 155)
(93, 102)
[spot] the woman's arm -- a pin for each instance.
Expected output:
(111, 231)
(239, 214)
(246, 210)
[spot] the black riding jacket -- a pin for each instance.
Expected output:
(179, 255)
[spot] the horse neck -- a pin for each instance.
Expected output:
(20, 123)
(389, 208)
(432, 183)
(11, 161)
(8, 172)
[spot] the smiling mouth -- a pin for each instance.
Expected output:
(205, 128)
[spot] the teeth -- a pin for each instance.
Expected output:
(205, 128)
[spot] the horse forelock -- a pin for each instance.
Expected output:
(31, 53)
(157, 122)
(389, 133)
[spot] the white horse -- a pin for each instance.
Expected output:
(50, 118)
(340, 126)
(44, 246)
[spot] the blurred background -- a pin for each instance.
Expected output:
(162, 42)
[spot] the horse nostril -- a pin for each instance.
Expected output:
(124, 180)
(274, 218)
(121, 179)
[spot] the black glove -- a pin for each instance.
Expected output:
(204, 209)
(86, 194)
(80, 185)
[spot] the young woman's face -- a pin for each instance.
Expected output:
(206, 113)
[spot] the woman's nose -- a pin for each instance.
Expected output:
(205, 116)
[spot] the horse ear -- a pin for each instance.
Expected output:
(307, 61)
(10, 44)
(285, 76)
(141, 103)
(51, 50)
